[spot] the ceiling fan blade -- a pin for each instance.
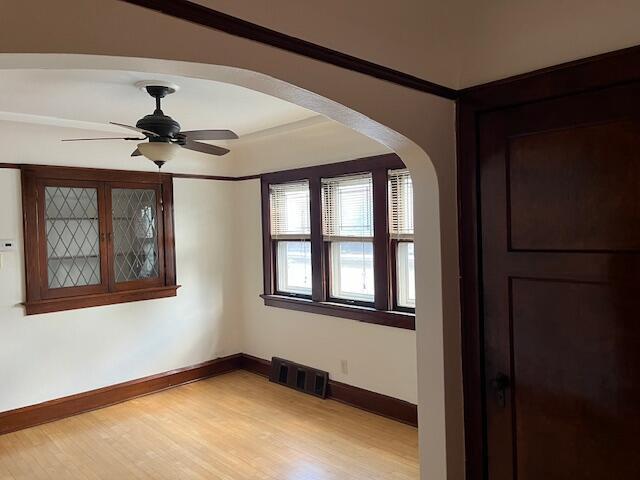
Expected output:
(141, 130)
(205, 148)
(209, 135)
(136, 153)
(101, 138)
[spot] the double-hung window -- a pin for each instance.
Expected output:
(347, 227)
(338, 240)
(401, 234)
(291, 235)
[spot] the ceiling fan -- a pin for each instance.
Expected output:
(163, 132)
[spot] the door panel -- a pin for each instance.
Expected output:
(574, 368)
(560, 236)
(570, 173)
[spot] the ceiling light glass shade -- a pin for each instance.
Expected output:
(158, 151)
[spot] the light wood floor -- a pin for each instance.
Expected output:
(236, 426)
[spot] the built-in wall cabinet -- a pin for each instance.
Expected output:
(95, 237)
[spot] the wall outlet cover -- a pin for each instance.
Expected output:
(7, 245)
(344, 366)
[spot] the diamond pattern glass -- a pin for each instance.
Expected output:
(72, 229)
(135, 242)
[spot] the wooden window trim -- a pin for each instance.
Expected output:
(380, 312)
(342, 310)
(393, 269)
(41, 299)
(326, 246)
(275, 276)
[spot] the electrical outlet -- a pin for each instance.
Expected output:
(7, 245)
(344, 366)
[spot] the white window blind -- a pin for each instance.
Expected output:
(289, 204)
(347, 207)
(400, 204)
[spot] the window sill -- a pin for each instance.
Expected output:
(361, 314)
(84, 301)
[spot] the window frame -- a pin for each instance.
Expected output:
(142, 282)
(275, 272)
(58, 292)
(303, 237)
(41, 298)
(393, 258)
(328, 254)
(383, 311)
(328, 258)
(394, 242)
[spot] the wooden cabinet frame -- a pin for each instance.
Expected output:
(41, 298)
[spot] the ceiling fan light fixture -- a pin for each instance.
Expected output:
(158, 152)
(163, 133)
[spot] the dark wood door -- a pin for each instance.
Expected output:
(560, 242)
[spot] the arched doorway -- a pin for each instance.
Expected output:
(431, 327)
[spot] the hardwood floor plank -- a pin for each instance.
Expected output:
(236, 426)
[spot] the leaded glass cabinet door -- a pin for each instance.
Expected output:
(135, 221)
(74, 252)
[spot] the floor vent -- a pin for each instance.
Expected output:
(300, 377)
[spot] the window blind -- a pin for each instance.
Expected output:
(400, 204)
(289, 203)
(347, 207)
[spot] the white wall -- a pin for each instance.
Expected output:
(509, 37)
(219, 265)
(457, 43)
(379, 358)
(315, 143)
(52, 355)
(418, 126)
(420, 37)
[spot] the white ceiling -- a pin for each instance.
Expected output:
(38, 108)
(69, 97)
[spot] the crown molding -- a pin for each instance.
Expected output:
(216, 20)
(285, 128)
(60, 122)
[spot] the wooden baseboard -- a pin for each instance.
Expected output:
(256, 365)
(373, 402)
(44, 412)
(37, 414)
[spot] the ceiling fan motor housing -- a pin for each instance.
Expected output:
(162, 133)
(157, 122)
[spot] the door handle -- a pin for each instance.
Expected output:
(500, 384)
